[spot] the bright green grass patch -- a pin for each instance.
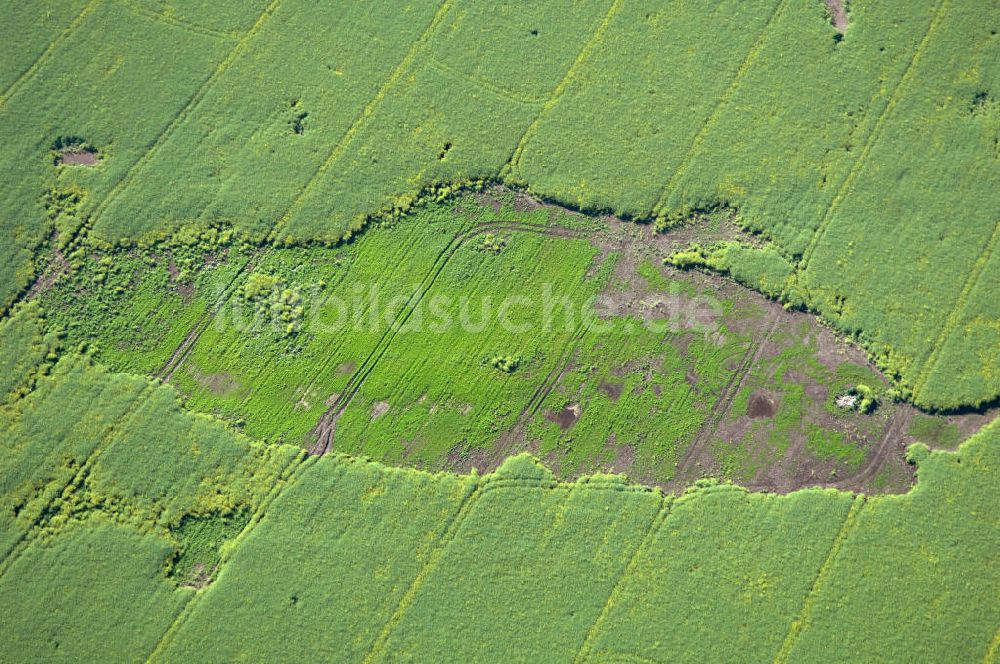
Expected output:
(934, 431)
(633, 402)
(832, 445)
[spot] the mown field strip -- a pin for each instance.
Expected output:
(586, 649)
(710, 120)
(448, 534)
(873, 136)
(329, 419)
(556, 373)
(289, 475)
(588, 47)
(186, 112)
(804, 614)
(359, 122)
(951, 323)
(75, 482)
(53, 46)
(141, 10)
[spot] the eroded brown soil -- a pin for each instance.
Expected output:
(73, 158)
(838, 14)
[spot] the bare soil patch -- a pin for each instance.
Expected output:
(624, 455)
(838, 15)
(78, 158)
(762, 405)
(57, 266)
(612, 390)
(379, 408)
(525, 203)
(566, 417)
(219, 384)
(487, 199)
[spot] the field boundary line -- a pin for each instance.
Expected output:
(951, 323)
(46, 54)
(192, 104)
(289, 476)
(873, 137)
(588, 46)
(140, 10)
(659, 518)
(805, 612)
(51, 508)
(993, 649)
(448, 534)
(748, 61)
(340, 146)
(620, 656)
(725, 401)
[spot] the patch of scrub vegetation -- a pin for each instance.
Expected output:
(200, 540)
(762, 268)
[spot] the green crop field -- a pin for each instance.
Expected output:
(351, 560)
(614, 331)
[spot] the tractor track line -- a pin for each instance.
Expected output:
(732, 388)
(44, 57)
(892, 433)
(993, 650)
(326, 427)
(448, 534)
(330, 417)
(710, 119)
(956, 312)
(184, 349)
(800, 622)
(79, 478)
(894, 97)
(495, 90)
(288, 477)
(359, 122)
(193, 28)
(186, 112)
(595, 38)
(586, 649)
(555, 376)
